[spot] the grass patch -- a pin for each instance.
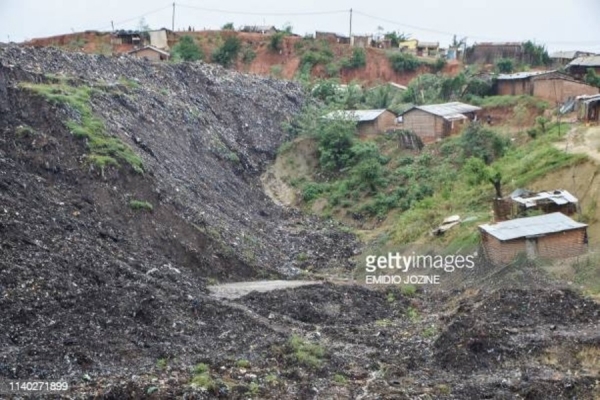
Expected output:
(104, 150)
(140, 205)
(307, 354)
(340, 379)
(242, 363)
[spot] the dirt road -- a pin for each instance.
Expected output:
(240, 289)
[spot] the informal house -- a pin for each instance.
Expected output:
(150, 53)
(579, 66)
(553, 86)
(367, 121)
(437, 121)
(589, 108)
(548, 236)
(522, 201)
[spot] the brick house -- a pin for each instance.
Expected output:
(548, 236)
(553, 86)
(368, 122)
(437, 121)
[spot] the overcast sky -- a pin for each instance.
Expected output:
(560, 25)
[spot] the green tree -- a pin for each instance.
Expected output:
(505, 65)
(396, 37)
(477, 141)
(358, 59)
(227, 53)
(228, 27)
(335, 142)
(402, 62)
(477, 172)
(592, 78)
(187, 50)
(535, 54)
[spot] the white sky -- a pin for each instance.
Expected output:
(560, 25)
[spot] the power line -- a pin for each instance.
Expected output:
(285, 14)
(138, 17)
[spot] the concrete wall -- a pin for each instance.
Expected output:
(560, 90)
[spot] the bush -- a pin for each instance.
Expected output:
(276, 41)
(402, 62)
(358, 59)
(248, 55)
(227, 53)
(476, 141)
(505, 66)
(187, 50)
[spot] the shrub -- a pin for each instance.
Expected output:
(276, 41)
(307, 354)
(505, 65)
(402, 62)
(227, 53)
(187, 50)
(476, 141)
(248, 55)
(358, 59)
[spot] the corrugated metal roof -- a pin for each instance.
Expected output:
(592, 61)
(531, 199)
(355, 115)
(448, 110)
(522, 75)
(156, 49)
(531, 226)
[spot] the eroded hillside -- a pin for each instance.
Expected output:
(127, 187)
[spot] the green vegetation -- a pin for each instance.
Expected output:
(227, 53)
(248, 55)
(592, 78)
(187, 50)
(396, 37)
(104, 150)
(130, 83)
(140, 205)
(403, 62)
(412, 314)
(242, 363)
(505, 65)
(430, 88)
(162, 363)
(357, 60)
(201, 378)
(340, 379)
(228, 27)
(408, 290)
(535, 54)
(276, 41)
(307, 354)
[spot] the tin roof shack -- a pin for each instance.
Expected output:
(150, 53)
(522, 201)
(132, 38)
(579, 66)
(562, 58)
(368, 122)
(489, 53)
(547, 236)
(553, 86)
(589, 108)
(437, 121)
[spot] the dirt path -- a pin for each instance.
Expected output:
(240, 289)
(584, 140)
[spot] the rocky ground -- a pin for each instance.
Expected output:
(114, 299)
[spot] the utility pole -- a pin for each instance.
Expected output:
(173, 19)
(350, 37)
(113, 25)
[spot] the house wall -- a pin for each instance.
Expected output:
(556, 245)
(560, 90)
(147, 53)
(489, 53)
(501, 253)
(427, 126)
(514, 87)
(563, 244)
(385, 121)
